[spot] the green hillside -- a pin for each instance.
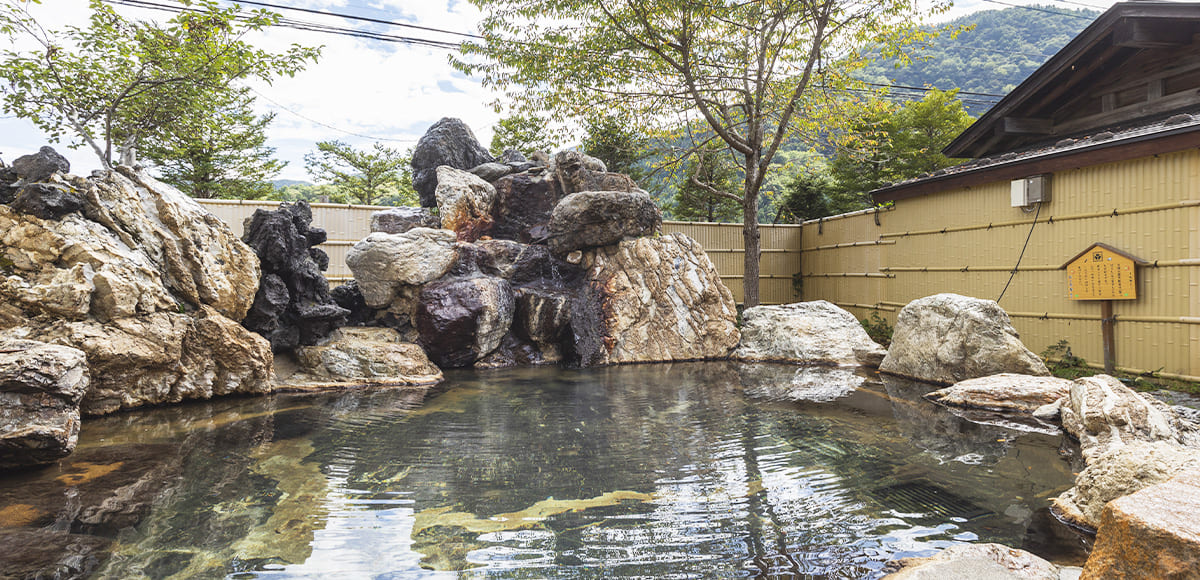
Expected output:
(1004, 47)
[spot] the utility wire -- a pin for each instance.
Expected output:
(326, 125)
(1013, 273)
(1036, 9)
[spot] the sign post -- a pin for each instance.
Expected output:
(1103, 273)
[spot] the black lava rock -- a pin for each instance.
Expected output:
(38, 166)
(447, 142)
(293, 306)
(48, 201)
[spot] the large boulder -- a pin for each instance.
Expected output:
(40, 389)
(383, 263)
(397, 220)
(806, 333)
(358, 356)
(600, 218)
(524, 202)
(464, 320)
(1006, 392)
(649, 300)
(1154, 533)
(293, 306)
(447, 142)
(464, 203)
(947, 338)
(146, 283)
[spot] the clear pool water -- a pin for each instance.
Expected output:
(697, 470)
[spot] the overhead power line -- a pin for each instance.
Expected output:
(327, 125)
(1036, 9)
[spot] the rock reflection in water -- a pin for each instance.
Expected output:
(649, 471)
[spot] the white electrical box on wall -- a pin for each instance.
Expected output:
(1030, 190)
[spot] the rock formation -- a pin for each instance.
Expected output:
(592, 219)
(144, 281)
(806, 333)
(1128, 442)
(42, 385)
(397, 220)
(448, 142)
(464, 203)
(292, 306)
(521, 275)
(947, 338)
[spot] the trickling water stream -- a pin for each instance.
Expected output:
(673, 470)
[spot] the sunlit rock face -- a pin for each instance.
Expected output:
(806, 333)
(1153, 533)
(148, 284)
(652, 299)
(363, 355)
(947, 338)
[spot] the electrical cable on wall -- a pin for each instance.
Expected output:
(1013, 273)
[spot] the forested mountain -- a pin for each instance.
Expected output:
(1004, 47)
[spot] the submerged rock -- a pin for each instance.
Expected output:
(40, 389)
(601, 218)
(292, 306)
(358, 356)
(806, 333)
(1154, 533)
(649, 300)
(976, 562)
(448, 142)
(947, 338)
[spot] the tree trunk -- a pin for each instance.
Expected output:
(751, 239)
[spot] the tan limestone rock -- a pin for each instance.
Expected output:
(1006, 392)
(1154, 533)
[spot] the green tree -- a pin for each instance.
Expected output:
(118, 83)
(368, 177)
(888, 143)
(744, 69)
(711, 167)
(219, 154)
(612, 139)
(805, 197)
(525, 133)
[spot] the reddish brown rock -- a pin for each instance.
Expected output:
(1154, 533)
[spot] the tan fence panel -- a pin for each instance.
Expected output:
(967, 241)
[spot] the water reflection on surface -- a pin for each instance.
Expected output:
(681, 470)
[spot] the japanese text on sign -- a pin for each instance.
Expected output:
(1101, 274)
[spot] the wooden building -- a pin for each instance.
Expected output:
(1099, 145)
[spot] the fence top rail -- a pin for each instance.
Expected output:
(851, 214)
(726, 224)
(274, 203)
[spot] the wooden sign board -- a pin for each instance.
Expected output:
(1102, 272)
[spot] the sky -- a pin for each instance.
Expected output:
(361, 91)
